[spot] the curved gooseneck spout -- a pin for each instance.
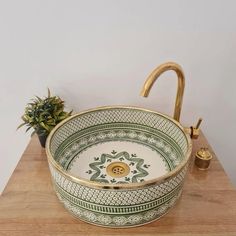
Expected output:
(181, 83)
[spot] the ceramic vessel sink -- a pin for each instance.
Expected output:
(118, 166)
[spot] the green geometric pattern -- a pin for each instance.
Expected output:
(149, 137)
(119, 115)
(118, 207)
(136, 175)
(118, 197)
(118, 219)
(118, 210)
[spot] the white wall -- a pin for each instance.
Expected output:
(95, 53)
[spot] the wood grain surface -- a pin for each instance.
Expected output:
(29, 206)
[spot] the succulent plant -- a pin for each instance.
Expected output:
(43, 114)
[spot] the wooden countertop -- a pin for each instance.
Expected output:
(29, 206)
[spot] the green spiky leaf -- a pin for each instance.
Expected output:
(42, 114)
(21, 125)
(49, 93)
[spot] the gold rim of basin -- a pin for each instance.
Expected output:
(98, 185)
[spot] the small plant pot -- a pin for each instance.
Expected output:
(42, 139)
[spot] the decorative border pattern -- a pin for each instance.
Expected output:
(117, 197)
(172, 154)
(119, 220)
(118, 115)
(117, 210)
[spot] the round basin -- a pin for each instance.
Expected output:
(118, 166)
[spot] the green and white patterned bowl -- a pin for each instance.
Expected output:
(118, 166)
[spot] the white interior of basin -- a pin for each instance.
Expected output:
(139, 145)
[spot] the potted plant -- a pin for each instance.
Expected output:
(43, 114)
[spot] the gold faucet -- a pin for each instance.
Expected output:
(193, 131)
(181, 83)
